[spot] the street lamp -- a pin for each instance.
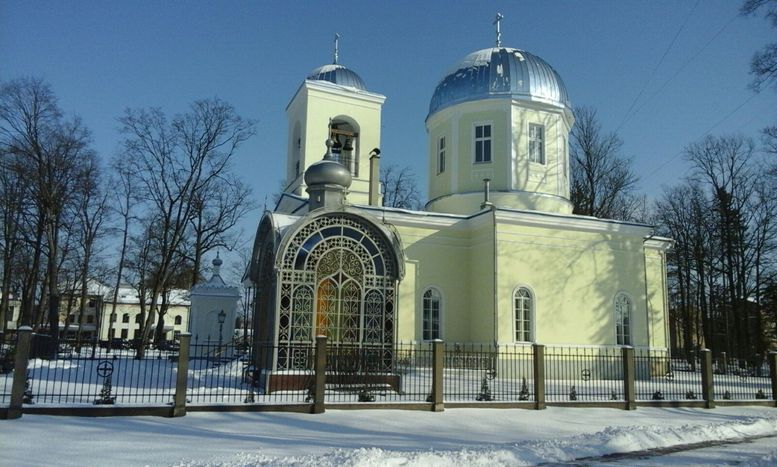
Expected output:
(222, 318)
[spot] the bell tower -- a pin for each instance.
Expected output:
(333, 103)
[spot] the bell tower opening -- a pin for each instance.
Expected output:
(345, 149)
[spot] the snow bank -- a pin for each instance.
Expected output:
(611, 440)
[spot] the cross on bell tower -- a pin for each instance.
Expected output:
(337, 48)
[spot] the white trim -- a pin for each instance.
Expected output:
(630, 317)
(543, 140)
(490, 139)
(532, 314)
(441, 309)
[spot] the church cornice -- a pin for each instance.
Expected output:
(338, 91)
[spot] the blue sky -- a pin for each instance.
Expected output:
(102, 57)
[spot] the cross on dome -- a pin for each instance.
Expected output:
(498, 23)
(337, 48)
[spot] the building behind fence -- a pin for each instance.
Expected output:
(429, 376)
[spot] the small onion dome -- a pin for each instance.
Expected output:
(497, 73)
(337, 74)
(217, 261)
(328, 171)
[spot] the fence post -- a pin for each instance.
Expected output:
(773, 374)
(629, 377)
(707, 390)
(182, 375)
(438, 352)
(320, 375)
(22, 357)
(539, 376)
(723, 365)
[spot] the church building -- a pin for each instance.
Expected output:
(495, 257)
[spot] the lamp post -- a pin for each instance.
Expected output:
(222, 317)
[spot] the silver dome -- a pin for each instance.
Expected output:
(337, 74)
(327, 172)
(500, 72)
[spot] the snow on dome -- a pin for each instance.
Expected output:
(337, 74)
(500, 72)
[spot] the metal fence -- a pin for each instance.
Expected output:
(227, 373)
(661, 377)
(484, 373)
(583, 374)
(7, 355)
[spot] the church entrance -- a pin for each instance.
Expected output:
(338, 278)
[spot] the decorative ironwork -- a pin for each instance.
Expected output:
(338, 278)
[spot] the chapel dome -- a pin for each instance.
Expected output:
(337, 74)
(500, 72)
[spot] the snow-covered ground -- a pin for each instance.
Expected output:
(492, 437)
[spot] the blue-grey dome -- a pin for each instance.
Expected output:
(338, 74)
(500, 72)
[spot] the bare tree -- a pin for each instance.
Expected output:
(122, 204)
(764, 64)
(51, 152)
(603, 183)
(216, 210)
(177, 164)
(400, 189)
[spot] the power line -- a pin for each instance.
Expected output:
(658, 65)
(679, 70)
(709, 130)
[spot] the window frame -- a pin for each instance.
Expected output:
(533, 140)
(437, 295)
(483, 139)
(624, 334)
(529, 328)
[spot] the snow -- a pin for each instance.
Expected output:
(493, 437)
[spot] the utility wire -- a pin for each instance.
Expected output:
(679, 70)
(709, 130)
(658, 65)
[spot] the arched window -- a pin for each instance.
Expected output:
(178, 319)
(125, 318)
(523, 307)
(623, 308)
(432, 312)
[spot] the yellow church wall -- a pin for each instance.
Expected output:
(549, 177)
(656, 289)
(439, 258)
(574, 277)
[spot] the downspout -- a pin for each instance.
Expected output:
(374, 193)
(488, 204)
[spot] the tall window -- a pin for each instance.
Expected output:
(178, 319)
(522, 305)
(431, 315)
(536, 143)
(125, 318)
(482, 143)
(623, 319)
(441, 155)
